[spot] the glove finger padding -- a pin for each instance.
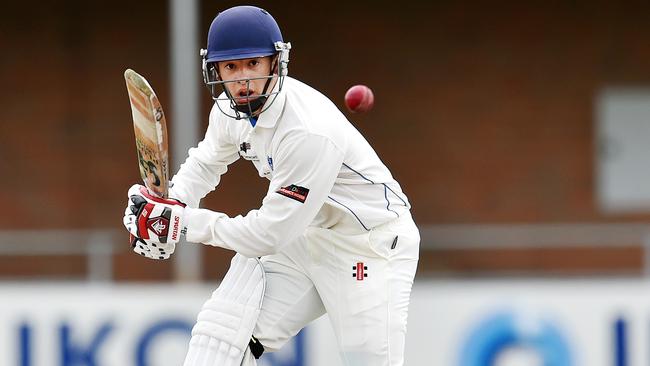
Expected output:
(139, 246)
(129, 220)
(150, 250)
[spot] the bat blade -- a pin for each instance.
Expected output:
(150, 129)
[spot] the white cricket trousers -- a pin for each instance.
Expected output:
(362, 281)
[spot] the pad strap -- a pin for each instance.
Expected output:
(256, 347)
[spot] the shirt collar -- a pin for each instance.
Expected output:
(270, 117)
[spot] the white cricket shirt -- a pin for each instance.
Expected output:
(322, 173)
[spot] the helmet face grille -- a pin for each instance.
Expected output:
(254, 107)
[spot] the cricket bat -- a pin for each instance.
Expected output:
(150, 130)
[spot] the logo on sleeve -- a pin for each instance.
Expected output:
(294, 192)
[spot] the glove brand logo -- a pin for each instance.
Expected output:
(158, 225)
(359, 271)
(175, 231)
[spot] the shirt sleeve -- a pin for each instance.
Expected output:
(306, 166)
(202, 170)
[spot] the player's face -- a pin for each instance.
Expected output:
(245, 71)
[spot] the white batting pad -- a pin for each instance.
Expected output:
(225, 323)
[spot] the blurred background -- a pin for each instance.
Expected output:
(518, 130)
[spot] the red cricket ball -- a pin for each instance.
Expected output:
(359, 99)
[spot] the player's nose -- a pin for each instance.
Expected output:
(244, 75)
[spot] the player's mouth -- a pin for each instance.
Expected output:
(245, 96)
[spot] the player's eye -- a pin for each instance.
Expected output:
(229, 66)
(254, 62)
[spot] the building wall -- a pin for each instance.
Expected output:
(484, 113)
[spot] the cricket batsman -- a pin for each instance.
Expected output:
(333, 233)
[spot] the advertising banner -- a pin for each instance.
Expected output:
(451, 323)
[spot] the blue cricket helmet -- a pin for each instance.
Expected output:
(242, 32)
(239, 33)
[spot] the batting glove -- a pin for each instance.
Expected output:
(151, 250)
(155, 224)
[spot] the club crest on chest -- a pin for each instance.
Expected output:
(246, 152)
